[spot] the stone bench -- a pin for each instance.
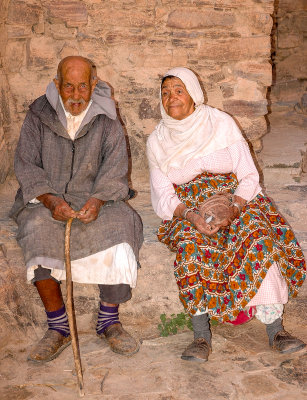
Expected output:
(156, 290)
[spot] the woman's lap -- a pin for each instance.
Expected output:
(223, 273)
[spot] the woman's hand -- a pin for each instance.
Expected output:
(200, 224)
(238, 203)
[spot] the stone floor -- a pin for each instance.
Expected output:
(241, 366)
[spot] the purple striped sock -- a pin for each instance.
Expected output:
(58, 321)
(107, 316)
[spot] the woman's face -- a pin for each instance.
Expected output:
(176, 100)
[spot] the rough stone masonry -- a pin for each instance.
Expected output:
(226, 42)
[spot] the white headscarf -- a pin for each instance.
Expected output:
(175, 142)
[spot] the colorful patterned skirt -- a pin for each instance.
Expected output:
(222, 273)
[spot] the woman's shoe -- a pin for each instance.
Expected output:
(197, 351)
(283, 342)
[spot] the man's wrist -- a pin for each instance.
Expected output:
(49, 200)
(98, 203)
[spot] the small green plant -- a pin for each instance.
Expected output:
(171, 325)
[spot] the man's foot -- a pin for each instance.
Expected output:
(283, 342)
(49, 347)
(119, 340)
(197, 351)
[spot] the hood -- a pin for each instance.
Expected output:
(102, 102)
(49, 110)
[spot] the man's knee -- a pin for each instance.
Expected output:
(41, 274)
(115, 294)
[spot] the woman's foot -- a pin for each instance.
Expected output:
(197, 351)
(283, 342)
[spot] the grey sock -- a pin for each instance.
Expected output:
(273, 328)
(201, 327)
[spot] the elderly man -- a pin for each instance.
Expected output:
(71, 161)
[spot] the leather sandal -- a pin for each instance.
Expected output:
(49, 347)
(283, 342)
(119, 340)
(197, 351)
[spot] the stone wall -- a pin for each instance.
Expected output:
(290, 56)
(5, 119)
(133, 42)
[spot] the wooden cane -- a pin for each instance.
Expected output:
(71, 311)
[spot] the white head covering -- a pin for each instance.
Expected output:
(175, 142)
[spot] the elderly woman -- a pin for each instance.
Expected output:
(231, 271)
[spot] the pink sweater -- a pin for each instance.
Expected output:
(235, 158)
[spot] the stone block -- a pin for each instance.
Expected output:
(23, 13)
(42, 53)
(151, 60)
(60, 31)
(253, 128)
(73, 13)
(114, 37)
(300, 22)
(227, 89)
(289, 5)
(268, 5)
(196, 19)
(244, 108)
(14, 57)
(259, 385)
(107, 17)
(184, 43)
(3, 40)
(18, 31)
(215, 97)
(146, 111)
(248, 90)
(4, 158)
(292, 66)
(257, 145)
(216, 77)
(160, 12)
(69, 50)
(35, 85)
(237, 49)
(304, 162)
(288, 91)
(5, 114)
(287, 41)
(254, 22)
(39, 28)
(260, 72)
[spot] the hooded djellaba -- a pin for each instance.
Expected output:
(71, 162)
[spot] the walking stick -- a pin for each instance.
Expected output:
(71, 311)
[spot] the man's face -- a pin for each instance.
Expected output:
(76, 87)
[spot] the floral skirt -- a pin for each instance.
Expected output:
(222, 273)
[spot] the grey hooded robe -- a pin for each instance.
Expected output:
(95, 164)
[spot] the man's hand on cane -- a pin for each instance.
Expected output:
(89, 212)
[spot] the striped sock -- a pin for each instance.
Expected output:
(58, 321)
(107, 316)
